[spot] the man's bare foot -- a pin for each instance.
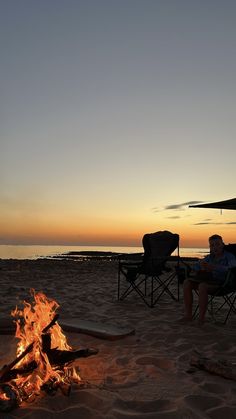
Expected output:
(185, 319)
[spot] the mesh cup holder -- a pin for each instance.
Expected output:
(181, 274)
(131, 274)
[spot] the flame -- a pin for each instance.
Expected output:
(3, 396)
(36, 317)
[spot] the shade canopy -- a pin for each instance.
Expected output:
(229, 204)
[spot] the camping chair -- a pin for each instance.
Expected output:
(225, 295)
(149, 277)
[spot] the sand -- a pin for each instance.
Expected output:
(146, 375)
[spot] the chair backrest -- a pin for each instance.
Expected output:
(231, 247)
(157, 248)
(230, 285)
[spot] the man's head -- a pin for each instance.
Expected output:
(216, 244)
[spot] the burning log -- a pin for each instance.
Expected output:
(5, 372)
(62, 357)
(56, 357)
(9, 398)
(45, 363)
(11, 374)
(59, 357)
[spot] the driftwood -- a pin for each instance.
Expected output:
(220, 367)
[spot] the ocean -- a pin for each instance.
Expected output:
(38, 252)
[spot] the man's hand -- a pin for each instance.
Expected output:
(205, 266)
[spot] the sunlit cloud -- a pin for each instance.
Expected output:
(181, 206)
(213, 223)
(176, 207)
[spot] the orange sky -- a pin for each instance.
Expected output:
(118, 231)
(115, 116)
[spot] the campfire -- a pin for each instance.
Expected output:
(44, 360)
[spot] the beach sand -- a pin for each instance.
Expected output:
(146, 375)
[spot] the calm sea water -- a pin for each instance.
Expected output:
(35, 252)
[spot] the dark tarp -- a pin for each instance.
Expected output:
(229, 204)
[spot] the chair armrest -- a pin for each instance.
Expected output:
(184, 271)
(230, 281)
(130, 263)
(129, 258)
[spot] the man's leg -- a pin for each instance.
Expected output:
(188, 297)
(203, 301)
(204, 289)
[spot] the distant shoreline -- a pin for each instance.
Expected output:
(101, 252)
(98, 255)
(73, 255)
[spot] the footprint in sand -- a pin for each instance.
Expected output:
(140, 408)
(162, 363)
(214, 388)
(202, 403)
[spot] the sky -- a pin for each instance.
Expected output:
(114, 116)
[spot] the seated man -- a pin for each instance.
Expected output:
(210, 274)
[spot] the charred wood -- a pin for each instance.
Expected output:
(218, 367)
(6, 368)
(62, 357)
(24, 370)
(9, 398)
(52, 386)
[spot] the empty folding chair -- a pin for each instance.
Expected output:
(150, 277)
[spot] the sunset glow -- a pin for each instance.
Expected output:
(116, 116)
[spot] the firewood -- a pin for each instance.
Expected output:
(9, 398)
(61, 357)
(65, 388)
(50, 387)
(6, 368)
(220, 367)
(23, 370)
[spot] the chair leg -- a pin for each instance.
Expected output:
(135, 286)
(149, 291)
(232, 308)
(196, 311)
(213, 312)
(164, 286)
(118, 287)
